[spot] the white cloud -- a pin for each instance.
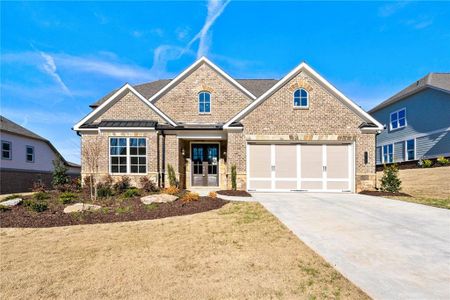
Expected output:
(420, 23)
(388, 10)
(49, 67)
(182, 33)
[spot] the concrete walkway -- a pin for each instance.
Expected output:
(390, 249)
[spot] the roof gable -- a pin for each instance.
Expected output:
(303, 67)
(116, 96)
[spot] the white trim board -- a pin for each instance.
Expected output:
(105, 104)
(191, 68)
(304, 67)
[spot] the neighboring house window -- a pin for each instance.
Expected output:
(410, 150)
(398, 119)
(204, 103)
(128, 155)
(30, 154)
(301, 98)
(6, 150)
(388, 153)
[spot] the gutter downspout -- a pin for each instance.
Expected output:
(163, 158)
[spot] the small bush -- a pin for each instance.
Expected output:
(171, 190)
(105, 187)
(426, 163)
(190, 196)
(123, 210)
(122, 185)
(233, 178)
(148, 185)
(12, 197)
(172, 177)
(37, 206)
(67, 197)
(41, 196)
(38, 186)
(390, 181)
(133, 192)
(212, 195)
(443, 161)
(4, 208)
(59, 175)
(73, 186)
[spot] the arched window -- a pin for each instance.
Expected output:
(301, 98)
(204, 103)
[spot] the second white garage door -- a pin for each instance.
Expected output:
(300, 167)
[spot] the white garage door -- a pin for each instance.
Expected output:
(299, 167)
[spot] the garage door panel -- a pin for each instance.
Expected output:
(312, 185)
(260, 184)
(285, 161)
(285, 185)
(337, 185)
(260, 161)
(337, 161)
(311, 156)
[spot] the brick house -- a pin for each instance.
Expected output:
(295, 134)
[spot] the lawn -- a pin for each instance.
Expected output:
(436, 202)
(237, 251)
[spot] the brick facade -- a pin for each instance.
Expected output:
(326, 119)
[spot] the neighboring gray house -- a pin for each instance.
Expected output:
(416, 121)
(25, 158)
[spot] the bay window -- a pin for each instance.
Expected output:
(128, 155)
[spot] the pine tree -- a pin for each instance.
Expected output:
(390, 181)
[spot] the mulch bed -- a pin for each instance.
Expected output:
(116, 211)
(234, 193)
(384, 194)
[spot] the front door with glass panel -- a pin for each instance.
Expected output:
(205, 158)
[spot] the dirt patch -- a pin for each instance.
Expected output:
(117, 210)
(384, 194)
(234, 193)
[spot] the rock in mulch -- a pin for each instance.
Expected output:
(158, 198)
(77, 207)
(11, 202)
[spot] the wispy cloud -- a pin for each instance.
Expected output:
(204, 36)
(420, 23)
(182, 33)
(159, 32)
(391, 8)
(49, 67)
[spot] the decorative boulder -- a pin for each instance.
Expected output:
(78, 207)
(158, 198)
(11, 202)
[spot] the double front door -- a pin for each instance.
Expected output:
(205, 164)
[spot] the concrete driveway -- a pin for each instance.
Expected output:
(390, 249)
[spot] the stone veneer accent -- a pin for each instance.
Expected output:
(181, 102)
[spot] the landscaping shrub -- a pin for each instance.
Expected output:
(122, 184)
(171, 190)
(172, 177)
(390, 181)
(60, 176)
(105, 187)
(67, 197)
(212, 195)
(190, 196)
(233, 178)
(426, 163)
(35, 205)
(74, 186)
(443, 161)
(38, 186)
(148, 185)
(4, 208)
(133, 192)
(41, 196)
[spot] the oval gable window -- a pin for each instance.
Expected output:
(301, 98)
(204, 103)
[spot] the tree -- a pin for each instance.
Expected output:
(390, 181)
(91, 151)
(172, 177)
(60, 176)
(233, 178)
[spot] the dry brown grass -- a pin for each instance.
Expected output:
(239, 251)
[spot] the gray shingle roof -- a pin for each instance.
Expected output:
(434, 80)
(14, 128)
(256, 86)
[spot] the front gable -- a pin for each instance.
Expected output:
(180, 101)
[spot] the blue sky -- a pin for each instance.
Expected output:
(57, 58)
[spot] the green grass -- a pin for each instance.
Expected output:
(12, 197)
(151, 206)
(122, 210)
(436, 202)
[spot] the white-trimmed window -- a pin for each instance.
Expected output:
(30, 154)
(398, 119)
(6, 150)
(410, 146)
(204, 103)
(128, 155)
(301, 98)
(388, 153)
